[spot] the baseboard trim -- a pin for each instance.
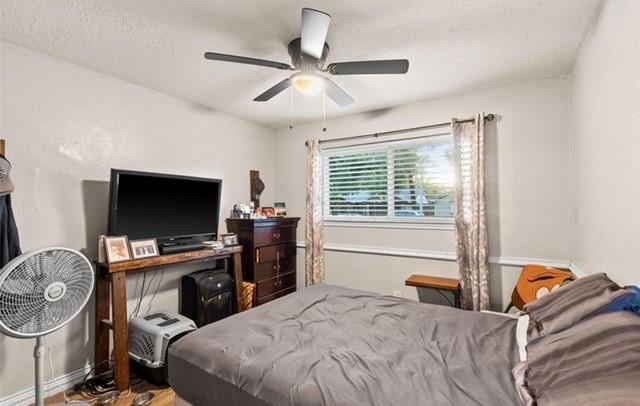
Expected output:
(53, 386)
(577, 270)
(436, 255)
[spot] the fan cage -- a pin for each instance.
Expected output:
(26, 307)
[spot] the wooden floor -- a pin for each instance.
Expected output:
(163, 396)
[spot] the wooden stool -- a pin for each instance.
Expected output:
(439, 284)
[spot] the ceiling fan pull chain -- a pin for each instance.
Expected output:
(291, 108)
(324, 106)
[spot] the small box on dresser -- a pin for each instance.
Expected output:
(269, 255)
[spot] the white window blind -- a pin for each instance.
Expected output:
(394, 181)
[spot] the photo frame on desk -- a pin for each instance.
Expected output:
(117, 249)
(102, 251)
(144, 248)
(229, 240)
(268, 211)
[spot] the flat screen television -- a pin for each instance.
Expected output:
(171, 208)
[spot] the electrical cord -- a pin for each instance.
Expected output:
(143, 293)
(121, 396)
(155, 292)
(67, 401)
(100, 384)
(135, 309)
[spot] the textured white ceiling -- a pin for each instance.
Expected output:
(453, 45)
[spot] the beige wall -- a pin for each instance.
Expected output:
(65, 127)
(605, 121)
(528, 186)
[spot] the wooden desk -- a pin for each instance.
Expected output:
(437, 283)
(111, 299)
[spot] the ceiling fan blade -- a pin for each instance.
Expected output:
(249, 61)
(315, 25)
(274, 91)
(337, 94)
(383, 67)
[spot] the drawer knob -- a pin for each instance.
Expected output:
(276, 235)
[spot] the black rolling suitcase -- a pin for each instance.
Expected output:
(207, 296)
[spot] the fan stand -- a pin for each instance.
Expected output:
(44, 279)
(38, 356)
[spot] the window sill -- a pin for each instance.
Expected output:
(447, 226)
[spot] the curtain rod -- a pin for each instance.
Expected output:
(488, 117)
(383, 142)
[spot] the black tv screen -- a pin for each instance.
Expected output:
(152, 205)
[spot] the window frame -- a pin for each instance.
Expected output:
(444, 223)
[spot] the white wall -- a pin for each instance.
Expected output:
(605, 109)
(527, 151)
(65, 127)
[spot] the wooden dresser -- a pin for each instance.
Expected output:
(269, 254)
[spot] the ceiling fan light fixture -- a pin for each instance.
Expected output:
(308, 84)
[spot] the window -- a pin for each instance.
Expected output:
(397, 181)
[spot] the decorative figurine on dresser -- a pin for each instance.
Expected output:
(269, 255)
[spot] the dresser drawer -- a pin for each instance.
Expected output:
(266, 270)
(273, 235)
(276, 295)
(275, 252)
(272, 285)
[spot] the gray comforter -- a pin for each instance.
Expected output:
(328, 345)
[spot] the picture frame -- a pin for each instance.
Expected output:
(117, 249)
(147, 248)
(269, 211)
(102, 252)
(229, 240)
(280, 209)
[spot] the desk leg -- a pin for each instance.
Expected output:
(120, 330)
(237, 276)
(103, 308)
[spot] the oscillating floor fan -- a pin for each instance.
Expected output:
(41, 291)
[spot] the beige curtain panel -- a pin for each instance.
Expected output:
(472, 247)
(314, 238)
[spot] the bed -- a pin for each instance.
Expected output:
(329, 345)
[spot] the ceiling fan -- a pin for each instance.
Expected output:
(308, 54)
